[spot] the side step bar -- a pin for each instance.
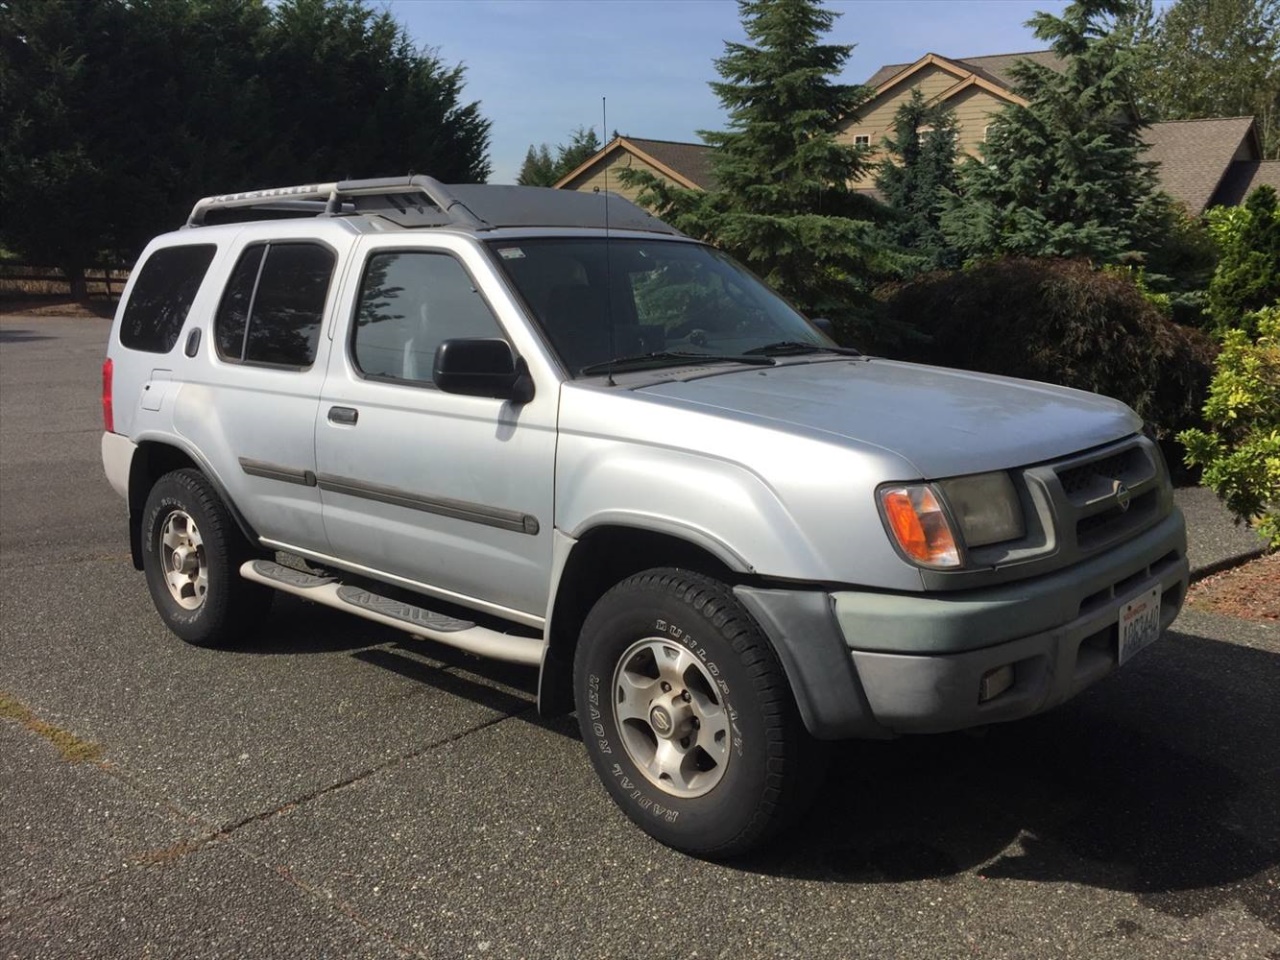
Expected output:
(394, 613)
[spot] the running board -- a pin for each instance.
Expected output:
(418, 621)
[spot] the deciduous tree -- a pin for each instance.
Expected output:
(1212, 58)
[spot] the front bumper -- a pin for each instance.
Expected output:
(914, 663)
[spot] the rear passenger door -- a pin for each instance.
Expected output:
(450, 493)
(254, 413)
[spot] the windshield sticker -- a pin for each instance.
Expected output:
(511, 253)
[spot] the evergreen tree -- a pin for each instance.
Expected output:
(916, 174)
(782, 202)
(1248, 275)
(1064, 175)
(583, 144)
(116, 115)
(538, 169)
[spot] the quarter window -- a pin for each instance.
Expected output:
(410, 303)
(273, 306)
(162, 296)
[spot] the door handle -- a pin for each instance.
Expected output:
(343, 415)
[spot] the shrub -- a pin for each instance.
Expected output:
(1247, 278)
(1240, 450)
(1060, 321)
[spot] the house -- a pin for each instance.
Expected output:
(1203, 163)
(976, 88)
(686, 165)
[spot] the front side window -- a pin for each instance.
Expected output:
(410, 303)
(162, 296)
(600, 299)
(273, 307)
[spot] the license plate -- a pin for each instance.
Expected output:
(1139, 624)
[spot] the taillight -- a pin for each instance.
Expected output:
(108, 414)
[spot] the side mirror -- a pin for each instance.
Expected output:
(482, 368)
(825, 325)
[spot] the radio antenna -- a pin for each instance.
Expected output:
(608, 258)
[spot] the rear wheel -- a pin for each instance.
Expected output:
(192, 554)
(688, 717)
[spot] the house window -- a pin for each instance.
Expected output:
(862, 140)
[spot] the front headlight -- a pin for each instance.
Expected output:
(986, 508)
(930, 521)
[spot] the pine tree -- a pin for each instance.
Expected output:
(916, 174)
(1064, 175)
(782, 202)
(583, 144)
(539, 168)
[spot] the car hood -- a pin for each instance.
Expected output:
(946, 422)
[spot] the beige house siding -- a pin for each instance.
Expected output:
(973, 106)
(594, 178)
(876, 118)
(974, 109)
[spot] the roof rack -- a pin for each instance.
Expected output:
(405, 195)
(424, 202)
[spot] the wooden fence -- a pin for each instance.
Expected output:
(29, 280)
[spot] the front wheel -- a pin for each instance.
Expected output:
(688, 717)
(192, 551)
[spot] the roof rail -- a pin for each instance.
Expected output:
(390, 194)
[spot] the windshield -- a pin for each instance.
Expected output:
(604, 300)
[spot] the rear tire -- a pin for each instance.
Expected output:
(192, 551)
(688, 717)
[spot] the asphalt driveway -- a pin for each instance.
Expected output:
(342, 792)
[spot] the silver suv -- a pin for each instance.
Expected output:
(547, 428)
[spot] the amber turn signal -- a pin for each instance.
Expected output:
(919, 524)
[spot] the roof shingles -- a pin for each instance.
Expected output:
(1194, 156)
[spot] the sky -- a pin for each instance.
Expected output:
(540, 68)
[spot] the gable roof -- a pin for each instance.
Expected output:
(688, 164)
(1244, 177)
(993, 68)
(690, 160)
(1195, 156)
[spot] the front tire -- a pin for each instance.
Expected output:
(192, 555)
(688, 717)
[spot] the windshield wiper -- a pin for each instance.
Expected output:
(663, 357)
(786, 348)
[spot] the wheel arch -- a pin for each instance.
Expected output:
(603, 556)
(151, 461)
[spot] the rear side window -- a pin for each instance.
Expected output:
(273, 306)
(162, 297)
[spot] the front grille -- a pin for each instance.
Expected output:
(1099, 528)
(1109, 496)
(1129, 466)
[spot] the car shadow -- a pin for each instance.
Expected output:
(1163, 781)
(296, 626)
(21, 336)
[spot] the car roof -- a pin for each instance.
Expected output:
(416, 202)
